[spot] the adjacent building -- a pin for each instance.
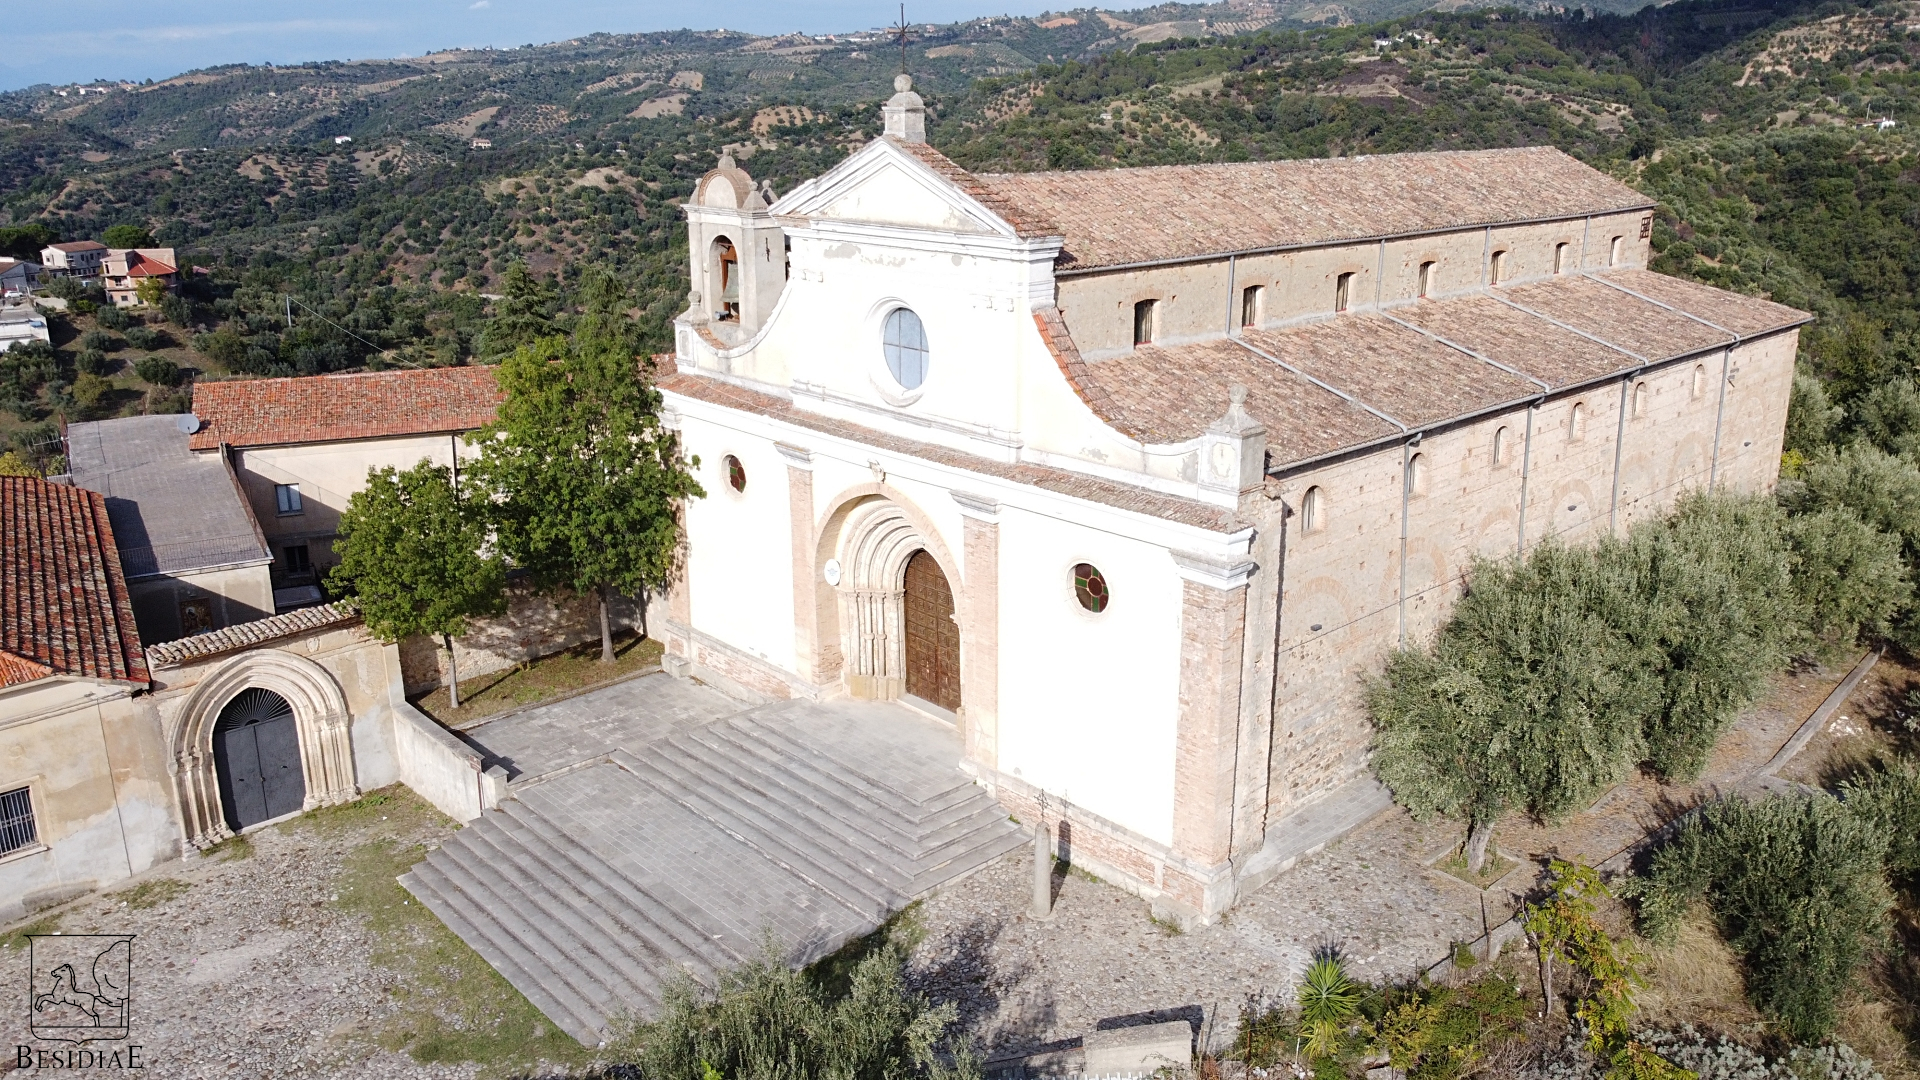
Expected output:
(80, 258)
(124, 270)
(21, 322)
(194, 556)
(83, 780)
(302, 447)
(18, 277)
(1136, 476)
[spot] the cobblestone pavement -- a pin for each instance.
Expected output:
(249, 971)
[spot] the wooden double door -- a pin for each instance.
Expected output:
(933, 636)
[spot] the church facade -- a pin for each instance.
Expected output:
(1136, 475)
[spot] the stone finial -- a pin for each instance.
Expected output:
(1233, 450)
(905, 115)
(726, 160)
(1236, 421)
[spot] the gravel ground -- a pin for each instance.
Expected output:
(253, 970)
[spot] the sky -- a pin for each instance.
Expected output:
(79, 42)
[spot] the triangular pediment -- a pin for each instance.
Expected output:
(881, 184)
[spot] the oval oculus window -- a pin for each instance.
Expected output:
(904, 341)
(1090, 587)
(736, 474)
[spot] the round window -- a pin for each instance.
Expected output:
(736, 474)
(905, 344)
(1090, 586)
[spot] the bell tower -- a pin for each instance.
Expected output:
(737, 254)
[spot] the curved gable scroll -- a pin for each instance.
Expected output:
(320, 716)
(1066, 355)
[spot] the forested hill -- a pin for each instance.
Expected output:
(1745, 121)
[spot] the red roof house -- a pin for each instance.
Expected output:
(336, 408)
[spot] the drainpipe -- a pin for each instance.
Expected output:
(1526, 473)
(1406, 504)
(1231, 282)
(1380, 274)
(1719, 417)
(1619, 447)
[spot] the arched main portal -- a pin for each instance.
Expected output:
(933, 637)
(897, 629)
(256, 755)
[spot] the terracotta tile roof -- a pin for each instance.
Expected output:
(74, 246)
(1122, 496)
(334, 408)
(1420, 364)
(1025, 218)
(1113, 217)
(247, 635)
(139, 265)
(64, 608)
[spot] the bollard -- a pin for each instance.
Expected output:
(1042, 874)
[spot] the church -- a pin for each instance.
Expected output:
(1136, 476)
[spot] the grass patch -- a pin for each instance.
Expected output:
(834, 974)
(1495, 868)
(450, 1006)
(232, 849)
(558, 675)
(16, 938)
(392, 808)
(151, 894)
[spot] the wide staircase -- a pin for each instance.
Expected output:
(797, 826)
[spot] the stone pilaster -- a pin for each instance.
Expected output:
(806, 576)
(1213, 618)
(980, 628)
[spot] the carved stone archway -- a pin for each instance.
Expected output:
(877, 537)
(320, 713)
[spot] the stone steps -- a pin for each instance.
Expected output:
(796, 825)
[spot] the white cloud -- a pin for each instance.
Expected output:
(478, 4)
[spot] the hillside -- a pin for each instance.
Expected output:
(320, 255)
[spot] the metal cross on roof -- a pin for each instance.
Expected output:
(901, 35)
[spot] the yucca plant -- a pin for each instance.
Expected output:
(1329, 1001)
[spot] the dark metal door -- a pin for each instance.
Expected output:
(933, 638)
(256, 752)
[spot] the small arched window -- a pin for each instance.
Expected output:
(1639, 400)
(1252, 300)
(1426, 279)
(1615, 249)
(1497, 268)
(1090, 587)
(905, 345)
(1342, 291)
(1146, 318)
(1313, 510)
(1417, 474)
(1577, 422)
(1559, 258)
(1500, 446)
(736, 474)
(1699, 381)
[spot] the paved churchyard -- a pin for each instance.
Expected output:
(297, 956)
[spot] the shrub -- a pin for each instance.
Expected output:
(1811, 416)
(92, 362)
(1438, 1032)
(1889, 416)
(89, 389)
(144, 337)
(1889, 799)
(114, 319)
(770, 1021)
(1794, 884)
(1720, 1058)
(159, 371)
(1329, 1001)
(1848, 576)
(1882, 489)
(98, 340)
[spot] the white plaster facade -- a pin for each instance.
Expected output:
(1219, 690)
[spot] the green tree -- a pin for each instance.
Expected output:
(586, 484)
(413, 558)
(1811, 416)
(522, 316)
(1848, 576)
(1530, 699)
(158, 370)
(127, 236)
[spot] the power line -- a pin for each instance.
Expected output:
(292, 300)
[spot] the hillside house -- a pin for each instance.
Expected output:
(79, 258)
(124, 269)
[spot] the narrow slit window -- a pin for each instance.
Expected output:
(1497, 268)
(1613, 251)
(1251, 299)
(1313, 510)
(1559, 258)
(1699, 381)
(1145, 315)
(1577, 423)
(1342, 291)
(1417, 474)
(1500, 446)
(1639, 400)
(1426, 280)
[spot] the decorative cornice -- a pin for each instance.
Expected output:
(797, 457)
(976, 505)
(1216, 573)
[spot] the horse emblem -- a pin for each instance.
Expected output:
(81, 986)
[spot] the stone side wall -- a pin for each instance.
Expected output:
(1197, 300)
(1354, 591)
(536, 624)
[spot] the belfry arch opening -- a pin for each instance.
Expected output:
(725, 268)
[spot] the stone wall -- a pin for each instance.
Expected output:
(536, 624)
